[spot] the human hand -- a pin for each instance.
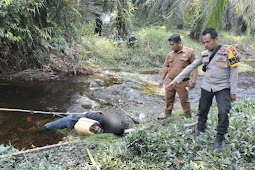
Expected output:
(99, 112)
(161, 83)
(191, 85)
(233, 97)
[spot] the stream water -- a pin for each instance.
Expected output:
(135, 91)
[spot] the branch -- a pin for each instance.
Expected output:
(35, 112)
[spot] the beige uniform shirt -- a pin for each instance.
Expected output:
(177, 61)
(219, 74)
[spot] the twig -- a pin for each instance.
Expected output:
(35, 112)
(134, 120)
(36, 149)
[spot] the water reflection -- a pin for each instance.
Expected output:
(46, 96)
(66, 95)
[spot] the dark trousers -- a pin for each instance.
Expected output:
(98, 31)
(223, 104)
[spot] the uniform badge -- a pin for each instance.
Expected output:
(220, 59)
(222, 50)
(221, 64)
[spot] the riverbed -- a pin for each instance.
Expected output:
(112, 90)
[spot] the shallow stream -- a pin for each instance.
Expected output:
(133, 90)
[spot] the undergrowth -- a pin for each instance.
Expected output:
(176, 147)
(171, 147)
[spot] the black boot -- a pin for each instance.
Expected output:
(188, 114)
(218, 143)
(199, 131)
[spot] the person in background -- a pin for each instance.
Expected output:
(132, 41)
(176, 60)
(98, 25)
(116, 38)
(220, 80)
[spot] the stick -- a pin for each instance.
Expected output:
(34, 112)
(36, 149)
(190, 125)
(134, 120)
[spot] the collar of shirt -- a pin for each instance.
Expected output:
(178, 52)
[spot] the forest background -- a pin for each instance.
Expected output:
(49, 35)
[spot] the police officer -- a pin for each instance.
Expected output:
(176, 60)
(220, 80)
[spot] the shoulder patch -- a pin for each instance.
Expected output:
(233, 59)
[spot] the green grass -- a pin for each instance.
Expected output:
(171, 146)
(152, 48)
(175, 147)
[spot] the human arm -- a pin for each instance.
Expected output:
(163, 77)
(194, 74)
(134, 41)
(99, 112)
(233, 82)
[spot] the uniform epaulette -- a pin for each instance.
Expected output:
(204, 53)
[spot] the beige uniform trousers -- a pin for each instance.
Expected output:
(181, 91)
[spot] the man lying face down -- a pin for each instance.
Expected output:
(88, 123)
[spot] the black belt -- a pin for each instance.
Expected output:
(186, 79)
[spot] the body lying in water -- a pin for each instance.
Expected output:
(108, 123)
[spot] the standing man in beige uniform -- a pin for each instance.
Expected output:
(220, 80)
(176, 60)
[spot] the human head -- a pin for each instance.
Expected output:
(175, 42)
(132, 34)
(210, 38)
(97, 15)
(114, 124)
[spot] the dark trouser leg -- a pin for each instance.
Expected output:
(224, 106)
(204, 107)
(66, 122)
(223, 103)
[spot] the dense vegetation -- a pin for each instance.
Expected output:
(29, 30)
(174, 147)
(35, 33)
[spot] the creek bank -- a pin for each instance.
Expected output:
(125, 88)
(60, 66)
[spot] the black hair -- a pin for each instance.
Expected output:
(213, 33)
(175, 38)
(110, 127)
(119, 130)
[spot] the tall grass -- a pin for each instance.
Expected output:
(150, 52)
